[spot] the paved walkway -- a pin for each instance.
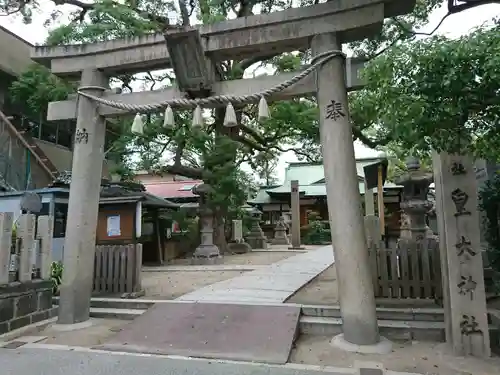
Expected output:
(270, 284)
(214, 267)
(76, 361)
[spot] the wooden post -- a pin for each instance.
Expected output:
(369, 204)
(138, 267)
(159, 242)
(380, 200)
(44, 234)
(6, 221)
(375, 247)
(26, 232)
(295, 208)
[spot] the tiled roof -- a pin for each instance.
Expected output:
(173, 189)
(311, 177)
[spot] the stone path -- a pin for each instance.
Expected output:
(215, 267)
(269, 284)
(35, 359)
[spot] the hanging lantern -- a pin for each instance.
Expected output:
(230, 116)
(168, 118)
(137, 125)
(263, 110)
(197, 118)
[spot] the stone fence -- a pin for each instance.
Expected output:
(25, 270)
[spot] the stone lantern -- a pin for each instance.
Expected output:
(207, 252)
(256, 238)
(415, 204)
(280, 236)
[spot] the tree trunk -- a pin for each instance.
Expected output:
(220, 232)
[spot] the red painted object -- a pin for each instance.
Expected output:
(172, 189)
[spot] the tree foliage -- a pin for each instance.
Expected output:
(436, 93)
(36, 88)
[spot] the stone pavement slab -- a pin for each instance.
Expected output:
(274, 283)
(198, 268)
(207, 330)
(64, 361)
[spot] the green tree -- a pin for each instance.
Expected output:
(435, 93)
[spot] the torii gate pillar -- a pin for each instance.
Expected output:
(357, 301)
(83, 208)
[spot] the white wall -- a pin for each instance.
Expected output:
(11, 204)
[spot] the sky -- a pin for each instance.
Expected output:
(454, 26)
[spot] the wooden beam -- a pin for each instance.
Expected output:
(283, 31)
(64, 110)
(380, 200)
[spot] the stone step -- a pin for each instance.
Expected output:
(122, 314)
(110, 313)
(383, 313)
(392, 329)
(116, 303)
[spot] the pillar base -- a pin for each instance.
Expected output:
(197, 260)
(280, 241)
(71, 327)
(239, 247)
(384, 346)
(206, 251)
(257, 242)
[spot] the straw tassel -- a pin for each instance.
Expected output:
(263, 109)
(197, 118)
(138, 125)
(230, 117)
(168, 118)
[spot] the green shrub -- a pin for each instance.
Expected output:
(316, 232)
(56, 272)
(490, 203)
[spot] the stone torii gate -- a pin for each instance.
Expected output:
(323, 28)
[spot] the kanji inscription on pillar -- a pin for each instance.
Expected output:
(465, 306)
(457, 168)
(467, 286)
(460, 199)
(469, 326)
(81, 136)
(464, 248)
(335, 110)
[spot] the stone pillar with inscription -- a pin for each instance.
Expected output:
(238, 244)
(466, 320)
(6, 222)
(357, 301)
(295, 210)
(83, 207)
